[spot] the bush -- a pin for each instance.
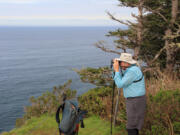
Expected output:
(47, 103)
(163, 113)
(162, 116)
(95, 100)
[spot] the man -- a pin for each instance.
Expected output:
(131, 79)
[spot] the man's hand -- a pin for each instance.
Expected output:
(116, 66)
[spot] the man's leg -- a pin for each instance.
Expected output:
(133, 131)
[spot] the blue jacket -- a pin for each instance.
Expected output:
(131, 88)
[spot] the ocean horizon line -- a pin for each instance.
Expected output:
(57, 26)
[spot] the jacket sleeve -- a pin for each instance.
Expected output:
(126, 80)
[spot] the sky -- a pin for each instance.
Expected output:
(61, 12)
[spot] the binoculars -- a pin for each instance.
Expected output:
(112, 62)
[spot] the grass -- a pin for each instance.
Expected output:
(46, 125)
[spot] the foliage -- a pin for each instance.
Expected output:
(153, 32)
(99, 77)
(48, 102)
(162, 116)
(156, 27)
(95, 101)
(163, 113)
(163, 110)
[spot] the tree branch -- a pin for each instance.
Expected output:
(156, 12)
(115, 19)
(177, 33)
(131, 23)
(148, 69)
(101, 46)
(158, 54)
(135, 16)
(121, 47)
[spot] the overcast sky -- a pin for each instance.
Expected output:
(61, 12)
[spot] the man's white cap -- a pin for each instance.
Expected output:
(127, 57)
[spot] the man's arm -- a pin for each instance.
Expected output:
(126, 80)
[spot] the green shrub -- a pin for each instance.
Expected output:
(163, 113)
(101, 76)
(162, 116)
(48, 103)
(94, 100)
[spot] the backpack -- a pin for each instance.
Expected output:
(71, 117)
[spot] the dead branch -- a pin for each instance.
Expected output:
(170, 125)
(135, 16)
(124, 41)
(131, 23)
(148, 69)
(103, 48)
(115, 19)
(121, 47)
(158, 54)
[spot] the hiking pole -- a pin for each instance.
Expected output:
(112, 98)
(112, 109)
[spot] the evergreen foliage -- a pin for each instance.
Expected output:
(154, 23)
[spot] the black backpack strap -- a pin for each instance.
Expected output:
(82, 113)
(57, 113)
(139, 79)
(135, 80)
(57, 116)
(64, 96)
(82, 124)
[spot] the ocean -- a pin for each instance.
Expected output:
(35, 59)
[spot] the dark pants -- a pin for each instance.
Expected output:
(135, 109)
(133, 131)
